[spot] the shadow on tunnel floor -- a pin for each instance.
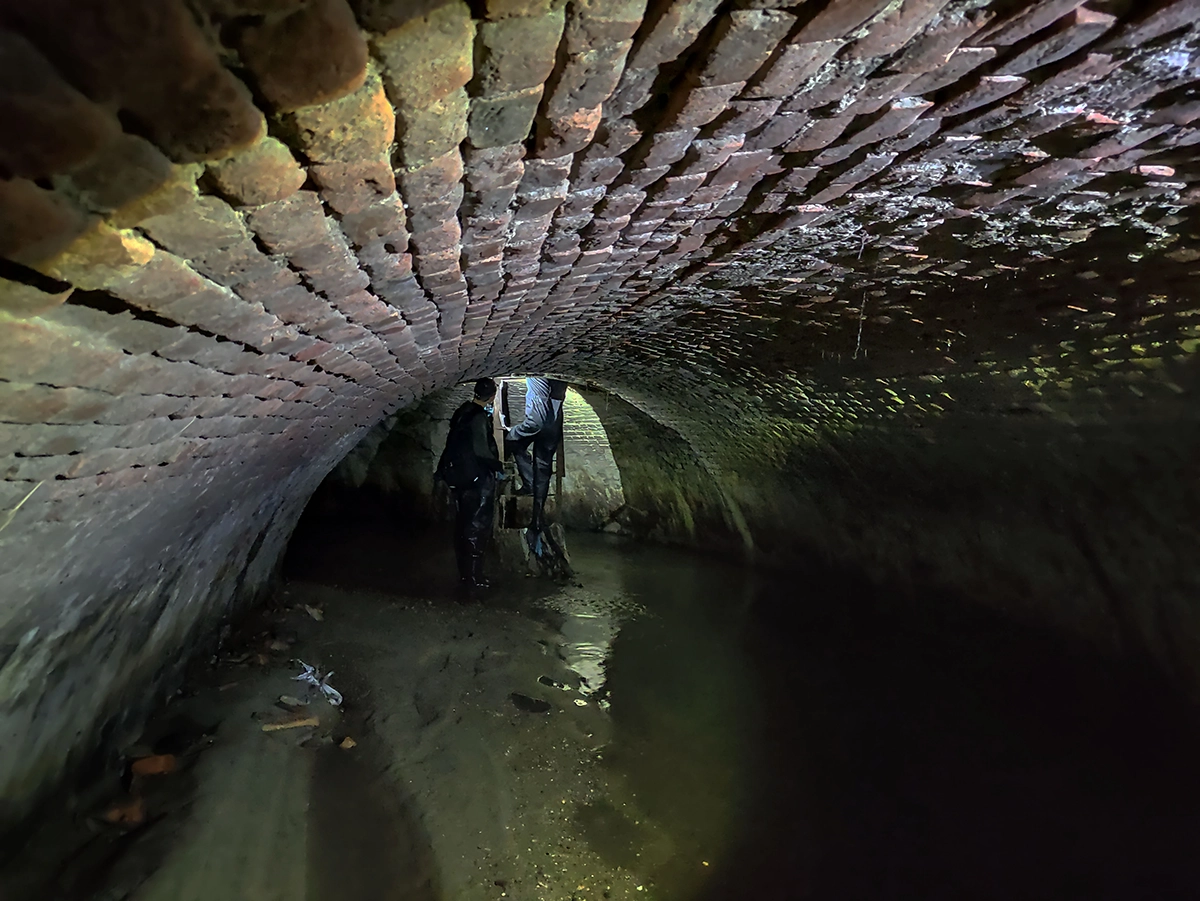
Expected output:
(375, 549)
(365, 841)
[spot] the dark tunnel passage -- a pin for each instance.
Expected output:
(878, 481)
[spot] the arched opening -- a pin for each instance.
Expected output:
(385, 486)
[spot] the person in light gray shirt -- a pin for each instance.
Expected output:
(542, 429)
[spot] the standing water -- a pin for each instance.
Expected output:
(791, 738)
(671, 728)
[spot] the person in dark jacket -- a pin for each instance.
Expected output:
(542, 428)
(470, 465)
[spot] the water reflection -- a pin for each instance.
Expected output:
(656, 640)
(842, 742)
(589, 626)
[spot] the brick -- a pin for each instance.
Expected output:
(692, 106)
(665, 147)
(962, 61)
(933, 49)
(593, 22)
(312, 55)
(677, 187)
(505, 119)
(987, 121)
(581, 201)
(877, 93)
(631, 94)
(671, 26)
(899, 116)
(25, 300)
(614, 137)
(779, 130)
(740, 166)
(602, 171)
(950, 147)
(891, 32)
(98, 257)
(711, 194)
(871, 166)
(1025, 22)
(742, 42)
(106, 185)
(828, 91)
(359, 126)
(1182, 113)
(1152, 21)
(442, 237)
(988, 89)
(36, 224)
(384, 220)
(431, 213)
(541, 204)
(49, 126)
(1121, 142)
(790, 67)
(1053, 171)
(604, 227)
(643, 178)
(546, 173)
(124, 60)
(586, 79)
(494, 168)
(621, 202)
(568, 134)
(516, 54)
(206, 224)
(429, 58)
(1072, 32)
(496, 10)
(796, 180)
(818, 134)
(426, 133)
(745, 116)
(1094, 67)
(438, 178)
(838, 20)
(771, 203)
(710, 154)
(831, 193)
(123, 175)
(1034, 126)
(297, 304)
(387, 268)
(260, 174)
(353, 187)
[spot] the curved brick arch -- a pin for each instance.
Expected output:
(912, 280)
(669, 494)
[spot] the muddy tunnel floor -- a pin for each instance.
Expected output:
(671, 728)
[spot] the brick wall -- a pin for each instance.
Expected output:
(669, 494)
(893, 283)
(592, 491)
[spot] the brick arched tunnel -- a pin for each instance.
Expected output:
(905, 287)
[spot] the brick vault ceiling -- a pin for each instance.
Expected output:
(333, 207)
